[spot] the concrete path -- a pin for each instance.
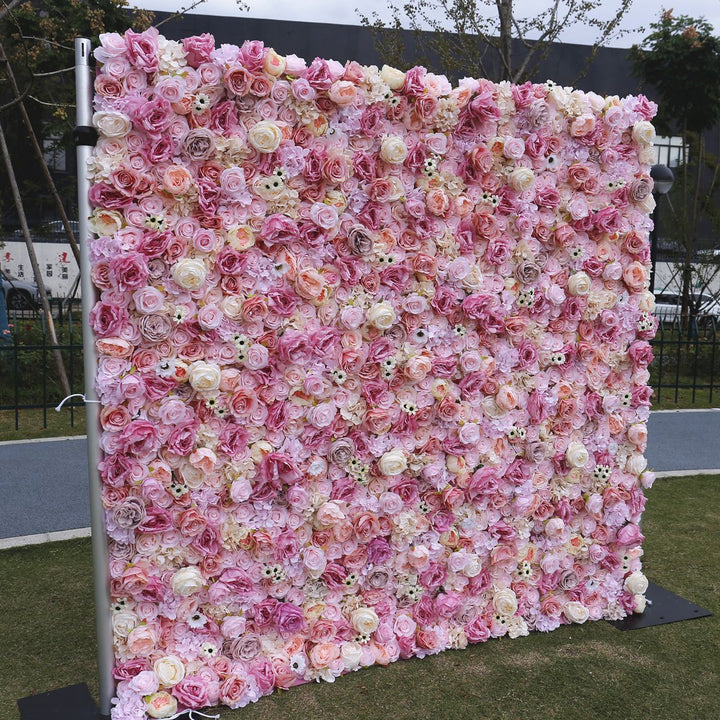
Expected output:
(43, 484)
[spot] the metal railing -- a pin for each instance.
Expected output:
(686, 368)
(29, 379)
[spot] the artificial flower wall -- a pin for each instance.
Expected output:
(372, 358)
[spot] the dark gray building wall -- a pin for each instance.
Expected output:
(609, 74)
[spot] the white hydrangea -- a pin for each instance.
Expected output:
(171, 56)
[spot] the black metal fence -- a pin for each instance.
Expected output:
(29, 377)
(686, 369)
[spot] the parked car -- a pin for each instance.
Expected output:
(668, 306)
(19, 294)
(51, 232)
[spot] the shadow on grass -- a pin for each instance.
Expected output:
(591, 671)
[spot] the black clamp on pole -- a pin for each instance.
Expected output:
(85, 135)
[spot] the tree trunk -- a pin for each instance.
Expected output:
(40, 157)
(505, 15)
(33, 261)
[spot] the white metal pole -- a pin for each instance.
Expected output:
(84, 138)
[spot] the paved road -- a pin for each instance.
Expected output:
(43, 485)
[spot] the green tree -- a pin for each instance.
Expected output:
(680, 58)
(480, 37)
(36, 96)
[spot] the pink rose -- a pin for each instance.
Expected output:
(142, 49)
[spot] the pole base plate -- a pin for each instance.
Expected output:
(663, 607)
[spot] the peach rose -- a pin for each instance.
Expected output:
(177, 180)
(635, 276)
(506, 397)
(309, 284)
(323, 654)
(142, 640)
(437, 201)
(342, 92)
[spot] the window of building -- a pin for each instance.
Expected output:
(669, 150)
(54, 153)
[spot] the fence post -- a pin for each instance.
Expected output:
(84, 141)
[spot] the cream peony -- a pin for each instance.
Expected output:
(265, 136)
(393, 462)
(393, 77)
(124, 622)
(204, 377)
(579, 283)
(189, 273)
(381, 315)
(169, 670)
(505, 602)
(636, 463)
(365, 620)
(576, 612)
(521, 179)
(187, 581)
(643, 132)
(351, 654)
(393, 150)
(577, 455)
(112, 124)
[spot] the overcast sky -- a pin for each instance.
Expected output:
(344, 12)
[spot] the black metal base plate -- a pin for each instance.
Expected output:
(666, 607)
(73, 702)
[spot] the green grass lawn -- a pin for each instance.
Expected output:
(583, 672)
(31, 423)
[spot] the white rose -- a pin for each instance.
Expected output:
(521, 179)
(576, 612)
(640, 603)
(393, 149)
(505, 602)
(365, 620)
(636, 464)
(393, 77)
(204, 377)
(559, 96)
(124, 622)
(189, 274)
(473, 566)
(112, 123)
(579, 283)
(232, 307)
(636, 583)
(187, 581)
(393, 462)
(473, 281)
(595, 101)
(381, 315)
(169, 670)
(265, 136)
(351, 653)
(577, 455)
(643, 132)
